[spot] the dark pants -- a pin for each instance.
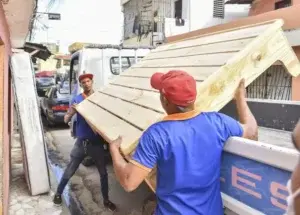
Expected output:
(81, 149)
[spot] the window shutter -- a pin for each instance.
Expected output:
(219, 10)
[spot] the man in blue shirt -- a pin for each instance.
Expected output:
(185, 147)
(88, 143)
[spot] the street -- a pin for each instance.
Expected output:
(86, 184)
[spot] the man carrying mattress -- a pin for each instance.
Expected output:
(88, 143)
(186, 147)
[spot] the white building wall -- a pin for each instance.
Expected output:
(201, 13)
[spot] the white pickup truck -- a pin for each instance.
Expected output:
(254, 174)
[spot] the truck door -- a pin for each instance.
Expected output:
(73, 76)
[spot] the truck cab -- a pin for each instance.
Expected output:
(105, 62)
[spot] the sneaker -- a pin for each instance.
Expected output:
(109, 205)
(57, 199)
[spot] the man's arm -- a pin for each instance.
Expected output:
(71, 112)
(246, 118)
(132, 174)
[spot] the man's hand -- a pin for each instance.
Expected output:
(70, 113)
(240, 92)
(129, 175)
(246, 118)
(115, 144)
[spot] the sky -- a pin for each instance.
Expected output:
(94, 21)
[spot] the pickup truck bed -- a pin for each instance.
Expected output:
(275, 137)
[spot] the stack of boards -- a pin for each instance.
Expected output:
(31, 130)
(218, 61)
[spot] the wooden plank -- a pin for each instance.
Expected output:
(199, 73)
(196, 49)
(190, 61)
(126, 110)
(219, 30)
(101, 120)
(215, 38)
(218, 89)
(135, 96)
(135, 82)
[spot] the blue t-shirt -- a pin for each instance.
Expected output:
(188, 158)
(83, 130)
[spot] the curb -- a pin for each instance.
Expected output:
(56, 167)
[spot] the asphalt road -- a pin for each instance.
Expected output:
(86, 183)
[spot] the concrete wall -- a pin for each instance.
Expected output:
(202, 14)
(5, 116)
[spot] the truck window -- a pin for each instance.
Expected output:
(132, 60)
(114, 64)
(74, 71)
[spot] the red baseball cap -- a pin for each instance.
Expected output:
(177, 86)
(87, 75)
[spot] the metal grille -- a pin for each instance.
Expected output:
(275, 83)
(146, 17)
(219, 9)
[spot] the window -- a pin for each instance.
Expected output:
(178, 9)
(132, 60)
(74, 72)
(115, 67)
(126, 62)
(283, 4)
(219, 9)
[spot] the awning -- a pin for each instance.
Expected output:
(37, 50)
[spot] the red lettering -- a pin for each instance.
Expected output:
(274, 187)
(236, 178)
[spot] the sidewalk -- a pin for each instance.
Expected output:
(20, 200)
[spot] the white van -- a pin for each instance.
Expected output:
(104, 62)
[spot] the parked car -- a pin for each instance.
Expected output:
(43, 84)
(54, 104)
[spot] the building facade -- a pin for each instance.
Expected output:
(151, 22)
(275, 83)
